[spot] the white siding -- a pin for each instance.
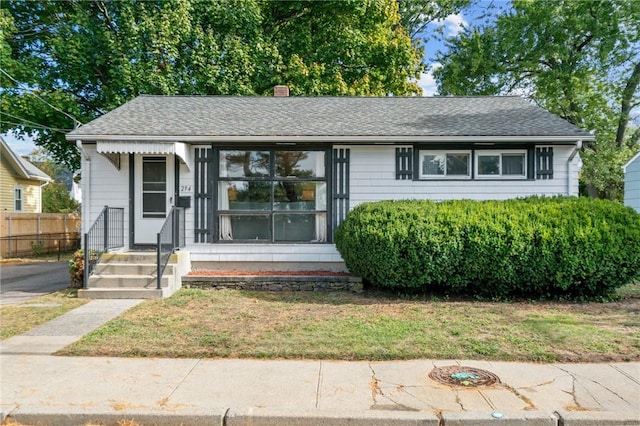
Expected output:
(186, 188)
(372, 178)
(632, 184)
(104, 185)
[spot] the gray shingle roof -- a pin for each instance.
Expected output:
(22, 166)
(222, 116)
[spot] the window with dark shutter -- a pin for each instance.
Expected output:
(404, 163)
(544, 163)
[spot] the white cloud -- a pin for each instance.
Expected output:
(427, 82)
(453, 24)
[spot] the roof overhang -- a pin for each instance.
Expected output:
(120, 146)
(634, 158)
(139, 143)
(19, 166)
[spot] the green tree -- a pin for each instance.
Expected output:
(578, 59)
(56, 199)
(55, 195)
(65, 62)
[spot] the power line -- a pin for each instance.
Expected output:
(76, 122)
(37, 126)
(33, 123)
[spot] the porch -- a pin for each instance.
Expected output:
(118, 273)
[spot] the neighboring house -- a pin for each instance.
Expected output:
(268, 179)
(21, 183)
(632, 182)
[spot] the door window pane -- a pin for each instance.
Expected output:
(154, 187)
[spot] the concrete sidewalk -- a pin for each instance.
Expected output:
(37, 388)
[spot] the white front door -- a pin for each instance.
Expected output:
(154, 192)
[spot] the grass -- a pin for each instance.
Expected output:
(17, 319)
(281, 325)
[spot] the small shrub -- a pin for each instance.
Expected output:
(76, 266)
(36, 247)
(546, 248)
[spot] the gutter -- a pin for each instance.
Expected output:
(85, 173)
(569, 168)
(352, 139)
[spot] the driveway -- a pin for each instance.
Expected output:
(24, 281)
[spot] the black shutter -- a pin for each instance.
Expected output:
(544, 163)
(404, 163)
(203, 208)
(340, 181)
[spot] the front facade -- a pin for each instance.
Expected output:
(21, 183)
(270, 179)
(632, 183)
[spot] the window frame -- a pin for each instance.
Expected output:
(273, 212)
(18, 196)
(423, 176)
(500, 152)
(154, 214)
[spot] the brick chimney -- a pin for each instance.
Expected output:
(280, 91)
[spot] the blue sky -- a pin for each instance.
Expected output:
(451, 25)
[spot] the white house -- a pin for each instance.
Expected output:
(268, 179)
(632, 182)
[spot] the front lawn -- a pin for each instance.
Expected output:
(342, 326)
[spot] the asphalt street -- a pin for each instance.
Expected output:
(23, 281)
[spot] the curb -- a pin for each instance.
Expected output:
(597, 418)
(507, 417)
(266, 417)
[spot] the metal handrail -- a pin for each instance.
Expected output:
(170, 238)
(107, 232)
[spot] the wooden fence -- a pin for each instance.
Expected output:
(33, 234)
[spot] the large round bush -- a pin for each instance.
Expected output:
(576, 248)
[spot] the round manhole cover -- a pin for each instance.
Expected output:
(456, 375)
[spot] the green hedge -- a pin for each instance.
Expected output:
(558, 248)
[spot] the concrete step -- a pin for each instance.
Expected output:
(147, 257)
(130, 269)
(120, 293)
(132, 275)
(131, 281)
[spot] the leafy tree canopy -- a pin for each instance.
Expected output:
(578, 59)
(67, 62)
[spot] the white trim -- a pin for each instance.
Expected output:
(155, 148)
(634, 158)
(443, 152)
(499, 152)
(17, 188)
(405, 139)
